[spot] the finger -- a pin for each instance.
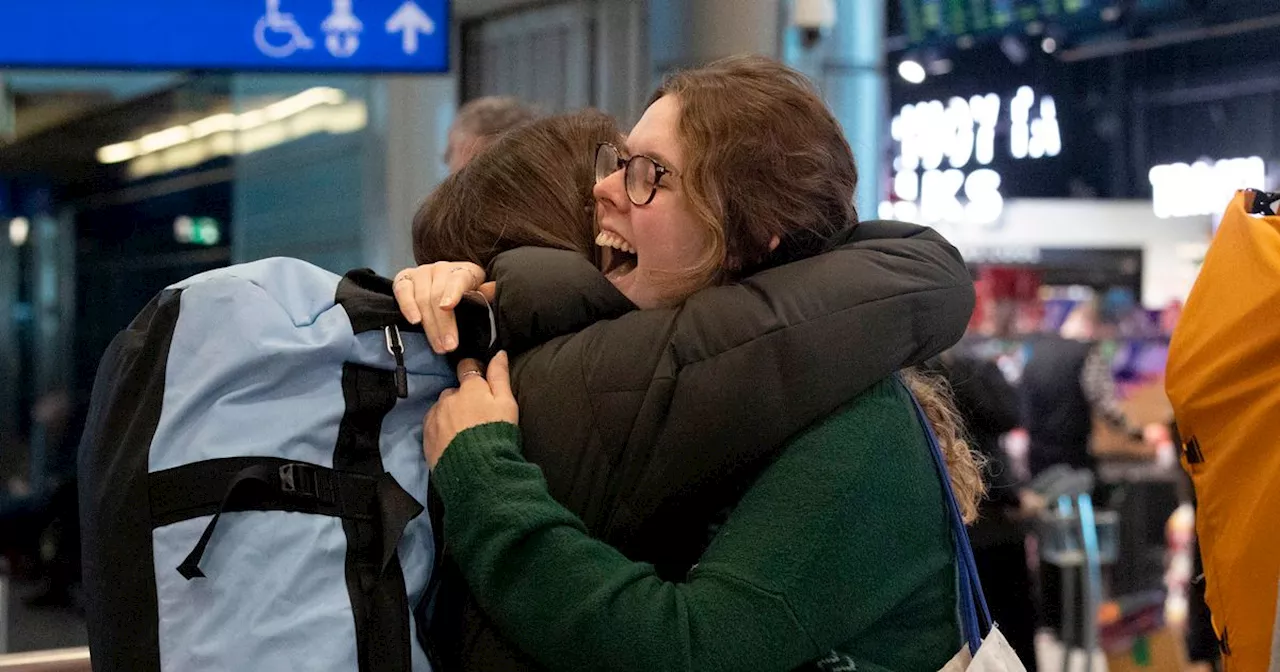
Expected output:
(422, 289)
(422, 279)
(402, 287)
(490, 291)
(446, 326)
(499, 376)
(459, 281)
(470, 373)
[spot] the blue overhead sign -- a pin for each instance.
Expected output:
(288, 35)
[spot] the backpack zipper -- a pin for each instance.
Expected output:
(395, 346)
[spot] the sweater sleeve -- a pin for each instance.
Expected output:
(573, 602)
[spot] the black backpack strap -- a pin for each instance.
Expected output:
(275, 484)
(375, 579)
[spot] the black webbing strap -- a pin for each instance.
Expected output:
(257, 484)
(375, 580)
(276, 484)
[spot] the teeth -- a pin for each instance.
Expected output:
(611, 239)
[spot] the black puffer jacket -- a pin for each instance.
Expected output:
(648, 423)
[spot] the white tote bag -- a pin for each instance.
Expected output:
(979, 654)
(995, 655)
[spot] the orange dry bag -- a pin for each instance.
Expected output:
(1224, 383)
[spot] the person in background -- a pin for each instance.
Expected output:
(478, 123)
(44, 522)
(1065, 385)
(989, 406)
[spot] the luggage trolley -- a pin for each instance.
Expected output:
(1079, 540)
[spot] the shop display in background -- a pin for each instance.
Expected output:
(1145, 403)
(1141, 632)
(1136, 638)
(1013, 308)
(1006, 300)
(1154, 136)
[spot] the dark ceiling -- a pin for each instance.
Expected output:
(64, 155)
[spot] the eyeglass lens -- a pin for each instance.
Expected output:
(640, 176)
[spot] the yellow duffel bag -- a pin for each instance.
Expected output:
(1224, 383)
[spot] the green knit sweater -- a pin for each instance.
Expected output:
(842, 544)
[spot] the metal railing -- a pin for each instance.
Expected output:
(53, 660)
(4, 610)
(56, 660)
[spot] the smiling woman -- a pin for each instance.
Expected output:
(748, 188)
(653, 216)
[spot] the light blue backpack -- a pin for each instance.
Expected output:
(252, 480)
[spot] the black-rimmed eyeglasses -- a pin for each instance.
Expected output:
(642, 173)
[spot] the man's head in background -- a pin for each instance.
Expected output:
(1082, 322)
(479, 122)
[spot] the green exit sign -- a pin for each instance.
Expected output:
(197, 230)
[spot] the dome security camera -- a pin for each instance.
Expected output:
(813, 18)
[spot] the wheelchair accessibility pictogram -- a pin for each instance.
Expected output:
(278, 35)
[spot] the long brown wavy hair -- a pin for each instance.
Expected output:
(765, 158)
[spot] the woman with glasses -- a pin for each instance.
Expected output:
(766, 311)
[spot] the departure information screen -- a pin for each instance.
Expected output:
(942, 21)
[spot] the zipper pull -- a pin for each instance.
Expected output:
(395, 346)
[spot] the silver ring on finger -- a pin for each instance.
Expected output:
(473, 372)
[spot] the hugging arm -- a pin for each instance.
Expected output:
(672, 401)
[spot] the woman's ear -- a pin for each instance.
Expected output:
(774, 242)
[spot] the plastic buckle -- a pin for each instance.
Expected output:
(299, 479)
(1263, 203)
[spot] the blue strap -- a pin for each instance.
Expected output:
(969, 588)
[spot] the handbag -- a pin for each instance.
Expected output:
(991, 653)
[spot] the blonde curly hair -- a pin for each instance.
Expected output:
(964, 465)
